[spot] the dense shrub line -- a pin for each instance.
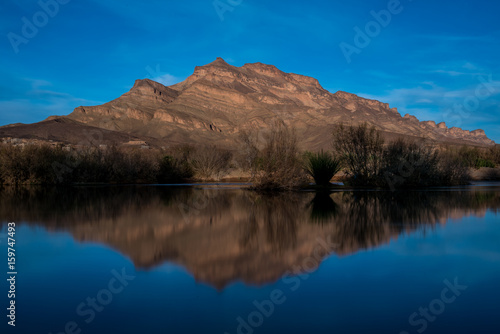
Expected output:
(475, 157)
(363, 155)
(370, 162)
(42, 164)
(273, 161)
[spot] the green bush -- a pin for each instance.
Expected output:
(474, 157)
(494, 154)
(174, 170)
(322, 166)
(481, 162)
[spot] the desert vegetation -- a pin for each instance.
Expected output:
(39, 164)
(361, 151)
(322, 166)
(475, 157)
(211, 162)
(271, 160)
(369, 161)
(175, 167)
(43, 164)
(275, 164)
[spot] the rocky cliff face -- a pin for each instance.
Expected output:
(219, 100)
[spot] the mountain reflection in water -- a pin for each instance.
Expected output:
(224, 235)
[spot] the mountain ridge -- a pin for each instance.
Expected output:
(219, 101)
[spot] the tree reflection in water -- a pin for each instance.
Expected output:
(223, 235)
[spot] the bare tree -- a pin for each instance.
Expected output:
(276, 166)
(211, 162)
(360, 148)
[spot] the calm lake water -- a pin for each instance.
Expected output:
(202, 259)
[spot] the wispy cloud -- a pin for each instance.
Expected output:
(429, 101)
(459, 38)
(453, 73)
(167, 79)
(470, 66)
(452, 68)
(38, 103)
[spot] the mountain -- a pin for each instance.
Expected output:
(219, 101)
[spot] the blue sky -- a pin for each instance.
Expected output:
(437, 60)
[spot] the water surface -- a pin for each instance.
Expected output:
(208, 259)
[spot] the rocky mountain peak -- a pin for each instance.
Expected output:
(147, 83)
(346, 95)
(152, 90)
(253, 75)
(219, 101)
(264, 69)
(218, 62)
(273, 72)
(354, 103)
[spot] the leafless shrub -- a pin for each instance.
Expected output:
(29, 164)
(452, 170)
(494, 154)
(410, 164)
(131, 166)
(360, 149)
(247, 157)
(43, 164)
(211, 162)
(399, 164)
(277, 166)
